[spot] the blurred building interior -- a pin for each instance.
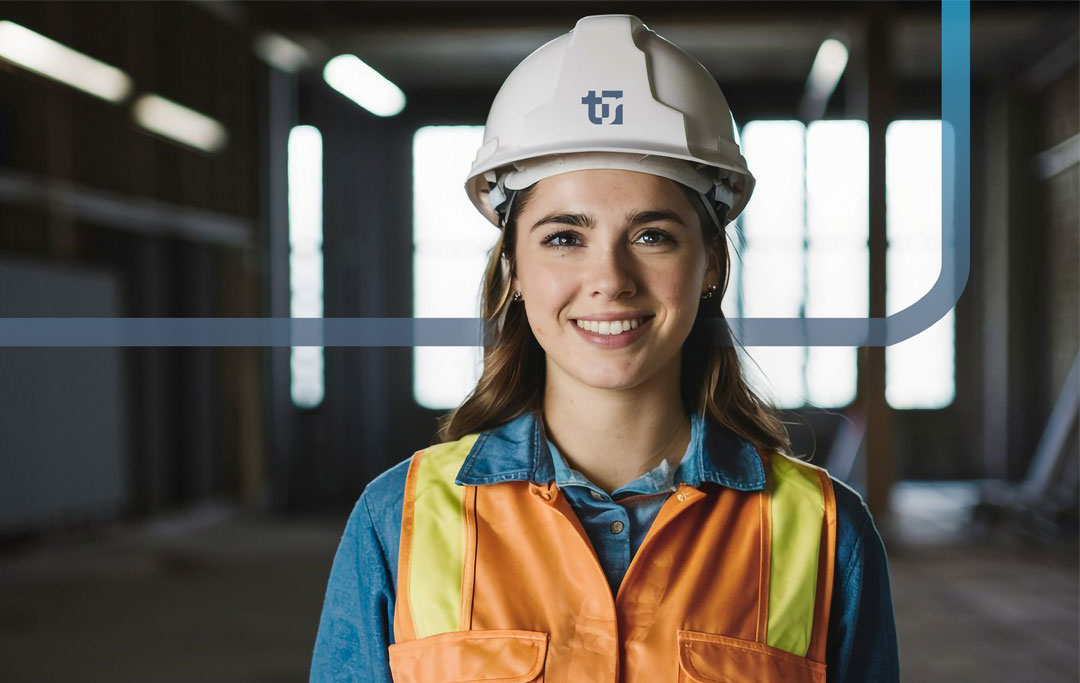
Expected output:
(170, 513)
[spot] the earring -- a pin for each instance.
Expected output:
(517, 295)
(708, 294)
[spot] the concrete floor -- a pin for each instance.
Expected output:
(218, 596)
(210, 597)
(1002, 608)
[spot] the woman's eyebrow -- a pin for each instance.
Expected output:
(576, 219)
(653, 216)
(584, 221)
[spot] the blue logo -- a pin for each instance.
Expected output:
(592, 100)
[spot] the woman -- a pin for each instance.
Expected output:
(612, 502)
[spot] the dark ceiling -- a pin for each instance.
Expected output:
(474, 45)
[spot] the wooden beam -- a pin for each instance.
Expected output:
(880, 99)
(125, 212)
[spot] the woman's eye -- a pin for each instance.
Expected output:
(567, 239)
(656, 237)
(559, 240)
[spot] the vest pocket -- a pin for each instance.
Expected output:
(506, 656)
(712, 658)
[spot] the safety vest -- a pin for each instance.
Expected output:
(499, 582)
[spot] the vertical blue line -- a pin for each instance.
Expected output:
(956, 157)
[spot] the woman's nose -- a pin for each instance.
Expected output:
(611, 271)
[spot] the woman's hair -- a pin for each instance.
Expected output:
(514, 371)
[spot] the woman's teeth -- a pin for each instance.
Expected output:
(609, 327)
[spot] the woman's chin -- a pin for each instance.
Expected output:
(613, 378)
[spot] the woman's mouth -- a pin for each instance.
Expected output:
(610, 327)
(611, 334)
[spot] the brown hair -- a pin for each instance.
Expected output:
(513, 378)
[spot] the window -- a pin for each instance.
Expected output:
(307, 385)
(451, 242)
(802, 250)
(804, 245)
(919, 372)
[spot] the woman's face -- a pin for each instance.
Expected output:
(599, 242)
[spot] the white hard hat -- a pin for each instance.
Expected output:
(611, 93)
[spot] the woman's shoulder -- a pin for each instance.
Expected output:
(851, 510)
(856, 534)
(850, 504)
(855, 529)
(382, 501)
(377, 513)
(387, 490)
(852, 514)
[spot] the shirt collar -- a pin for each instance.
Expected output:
(660, 479)
(517, 451)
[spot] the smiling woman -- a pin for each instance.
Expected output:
(611, 502)
(651, 235)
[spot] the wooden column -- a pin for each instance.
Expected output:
(880, 430)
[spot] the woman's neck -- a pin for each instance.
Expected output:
(615, 436)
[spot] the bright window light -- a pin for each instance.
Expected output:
(772, 280)
(837, 249)
(804, 252)
(919, 372)
(367, 87)
(46, 57)
(177, 122)
(451, 242)
(305, 165)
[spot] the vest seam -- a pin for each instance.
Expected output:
(403, 598)
(765, 566)
(468, 571)
(827, 572)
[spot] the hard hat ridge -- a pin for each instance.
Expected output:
(611, 93)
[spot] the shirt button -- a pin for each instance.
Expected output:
(616, 527)
(596, 495)
(681, 497)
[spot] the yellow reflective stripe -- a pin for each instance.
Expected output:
(438, 542)
(798, 507)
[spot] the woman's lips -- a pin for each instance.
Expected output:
(613, 341)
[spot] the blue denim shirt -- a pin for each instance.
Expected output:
(357, 620)
(631, 508)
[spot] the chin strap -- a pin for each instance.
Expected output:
(499, 198)
(718, 210)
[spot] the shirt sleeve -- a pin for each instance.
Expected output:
(862, 644)
(356, 623)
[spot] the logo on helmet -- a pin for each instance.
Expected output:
(591, 100)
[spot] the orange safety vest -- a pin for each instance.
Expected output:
(499, 582)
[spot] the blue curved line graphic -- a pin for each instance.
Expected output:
(936, 303)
